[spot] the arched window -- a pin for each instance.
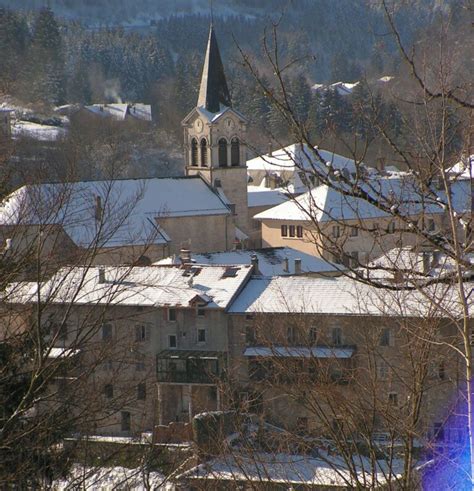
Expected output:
(194, 152)
(235, 152)
(203, 152)
(222, 152)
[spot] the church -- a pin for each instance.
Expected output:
(144, 220)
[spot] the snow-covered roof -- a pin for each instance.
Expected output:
(464, 169)
(326, 203)
(152, 286)
(299, 352)
(130, 208)
(342, 296)
(117, 110)
(108, 478)
(261, 196)
(41, 132)
(297, 156)
(291, 469)
(62, 352)
(343, 88)
(140, 111)
(410, 263)
(271, 260)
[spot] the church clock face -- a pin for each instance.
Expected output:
(198, 125)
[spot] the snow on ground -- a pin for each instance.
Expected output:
(110, 478)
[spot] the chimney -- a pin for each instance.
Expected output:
(270, 149)
(101, 276)
(297, 266)
(185, 256)
(98, 209)
(381, 164)
(254, 263)
(286, 266)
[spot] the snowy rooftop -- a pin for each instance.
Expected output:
(341, 296)
(108, 478)
(289, 469)
(119, 111)
(130, 208)
(464, 169)
(41, 132)
(297, 156)
(271, 260)
(151, 286)
(326, 203)
(262, 196)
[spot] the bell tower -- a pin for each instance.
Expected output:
(214, 136)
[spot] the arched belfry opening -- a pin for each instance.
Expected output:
(235, 152)
(223, 153)
(204, 161)
(194, 152)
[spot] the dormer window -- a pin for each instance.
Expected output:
(203, 152)
(194, 152)
(235, 152)
(222, 152)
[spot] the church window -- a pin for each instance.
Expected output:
(203, 152)
(222, 152)
(235, 152)
(194, 152)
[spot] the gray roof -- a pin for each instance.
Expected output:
(213, 91)
(271, 260)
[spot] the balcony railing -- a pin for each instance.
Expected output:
(190, 367)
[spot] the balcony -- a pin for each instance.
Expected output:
(190, 367)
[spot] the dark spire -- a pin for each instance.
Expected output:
(213, 90)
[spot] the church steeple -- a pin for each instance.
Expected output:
(213, 91)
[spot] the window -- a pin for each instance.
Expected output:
(172, 342)
(336, 231)
(290, 334)
(201, 335)
(386, 337)
(354, 231)
(203, 152)
(284, 230)
(354, 259)
(430, 225)
(249, 334)
(299, 231)
(108, 365)
(235, 152)
(141, 392)
(222, 152)
(106, 332)
(194, 152)
(63, 331)
(313, 335)
(125, 423)
(393, 399)
(292, 230)
(140, 366)
(441, 370)
(336, 336)
(172, 315)
(391, 228)
(201, 312)
(109, 391)
(140, 333)
(382, 370)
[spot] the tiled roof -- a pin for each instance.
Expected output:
(271, 260)
(151, 286)
(130, 207)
